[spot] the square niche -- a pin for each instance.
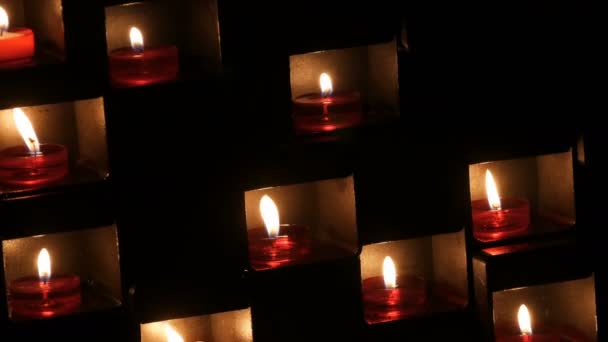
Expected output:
(70, 145)
(343, 88)
(522, 197)
(545, 288)
(62, 274)
(301, 223)
(414, 277)
(564, 311)
(162, 41)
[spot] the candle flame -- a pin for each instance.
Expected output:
(24, 126)
(525, 323)
(492, 192)
(389, 272)
(3, 21)
(172, 335)
(270, 215)
(44, 265)
(326, 86)
(137, 40)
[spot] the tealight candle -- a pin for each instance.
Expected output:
(45, 295)
(276, 244)
(136, 66)
(33, 164)
(16, 45)
(391, 297)
(325, 112)
(497, 218)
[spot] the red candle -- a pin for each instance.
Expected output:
(498, 218)
(277, 244)
(314, 113)
(526, 335)
(34, 164)
(44, 296)
(135, 66)
(16, 45)
(392, 297)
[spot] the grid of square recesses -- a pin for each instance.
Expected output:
(365, 87)
(537, 195)
(45, 19)
(431, 272)
(79, 126)
(317, 217)
(84, 273)
(230, 326)
(191, 26)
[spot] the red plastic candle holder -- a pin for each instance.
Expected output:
(131, 68)
(20, 167)
(314, 113)
(511, 220)
(31, 298)
(409, 298)
(293, 245)
(16, 48)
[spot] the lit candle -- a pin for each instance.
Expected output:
(45, 295)
(497, 218)
(526, 334)
(276, 244)
(32, 164)
(172, 335)
(391, 297)
(16, 45)
(137, 66)
(326, 111)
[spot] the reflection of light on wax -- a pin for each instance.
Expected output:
(329, 128)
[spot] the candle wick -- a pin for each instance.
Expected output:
(325, 109)
(34, 157)
(45, 294)
(33, 142)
